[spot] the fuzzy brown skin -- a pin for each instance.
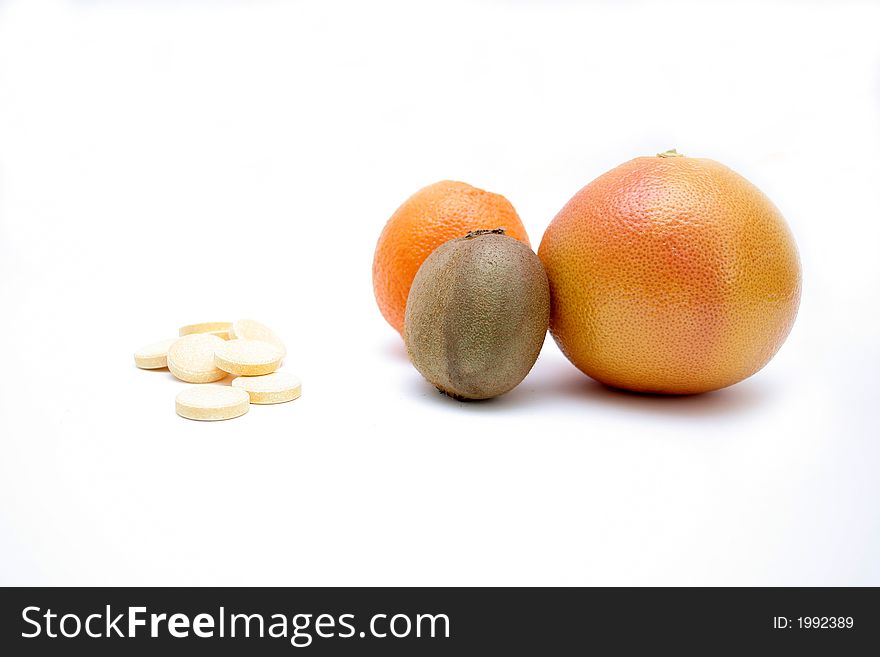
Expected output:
(477, 314)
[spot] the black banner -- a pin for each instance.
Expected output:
(445, 621)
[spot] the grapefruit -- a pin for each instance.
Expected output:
(672, 275)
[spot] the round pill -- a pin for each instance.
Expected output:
(191, 358)
(153, 356)
(206, 327)
(212, 403)
(248, 329)
(247, 357)
(272, 388)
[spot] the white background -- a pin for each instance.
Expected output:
(163, 163)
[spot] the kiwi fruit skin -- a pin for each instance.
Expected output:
(477, 315)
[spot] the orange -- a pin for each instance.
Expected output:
(670, 274)
(431, 217)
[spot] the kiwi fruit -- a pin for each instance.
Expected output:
(477, 314)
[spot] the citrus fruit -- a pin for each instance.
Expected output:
(430, 217)
(670, 274)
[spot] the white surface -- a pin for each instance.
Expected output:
(150, 152)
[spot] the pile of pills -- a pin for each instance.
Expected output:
(208, 352)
